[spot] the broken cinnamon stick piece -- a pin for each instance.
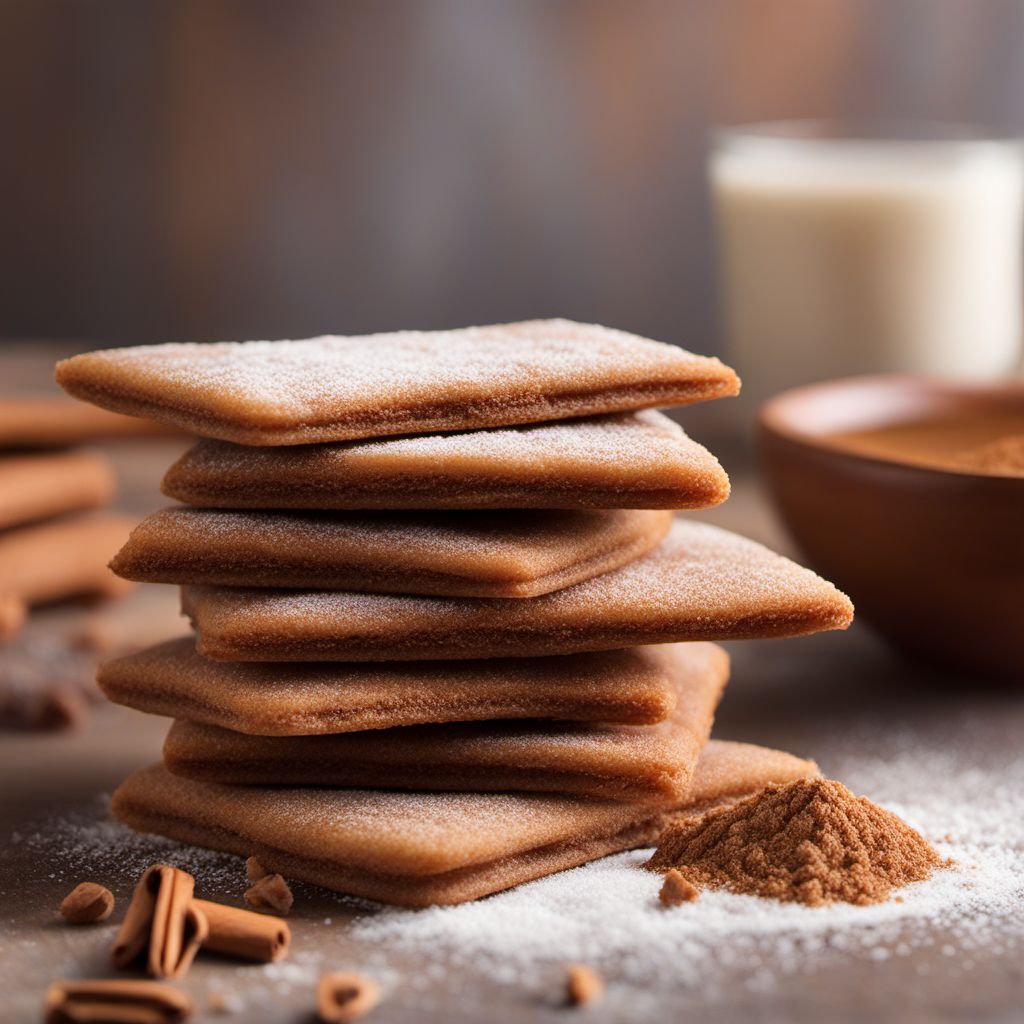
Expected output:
(243, 933)
(87, 903)
(341, 997)
(583, 985)
(270, 892)
(254, 870)
(162, 930)
(110, 1002)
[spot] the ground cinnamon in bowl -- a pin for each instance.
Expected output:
(1004, 456)
(810, 841)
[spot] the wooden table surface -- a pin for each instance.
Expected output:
(797, 695)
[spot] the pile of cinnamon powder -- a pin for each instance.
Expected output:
(811, 841)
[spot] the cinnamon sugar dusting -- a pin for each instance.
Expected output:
(810, 841)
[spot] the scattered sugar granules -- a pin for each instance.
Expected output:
(608, 913)
(957, 930)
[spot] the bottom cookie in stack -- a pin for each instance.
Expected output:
(452, 810)
(418, 849)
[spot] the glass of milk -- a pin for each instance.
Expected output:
(847, 252)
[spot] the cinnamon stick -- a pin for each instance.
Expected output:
(162, 930)
(110, 1002)
(243, 933)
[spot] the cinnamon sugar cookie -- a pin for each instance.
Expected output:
(701, 583)
(39, 486)
(419, 849)
(628, 460)
(637, 685)
(408, 382)
(517, 553)
(651, 763)
(62, 558)
(56, 422)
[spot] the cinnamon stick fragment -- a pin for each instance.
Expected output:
(87, 903)
(254, 870)
(270, 892)
(115, 1002)
(162, 930)
(583, 985)
(243, 933)
(342, 998)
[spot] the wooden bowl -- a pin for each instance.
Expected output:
(932, 557)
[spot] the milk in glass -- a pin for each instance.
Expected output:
(841, 256)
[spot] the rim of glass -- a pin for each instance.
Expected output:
(821, 133)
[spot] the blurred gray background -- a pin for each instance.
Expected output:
(204, 169)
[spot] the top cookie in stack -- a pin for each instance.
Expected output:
(408, 382)
(301, 545)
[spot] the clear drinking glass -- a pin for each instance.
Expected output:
(848, 250)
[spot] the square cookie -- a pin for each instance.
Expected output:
(637, 685)
(700, 583)
(45, 422)
(57, 559)
(34, 487)
(520, 553)
(647, 763)
(406, 382)
(627, 460)
(423, 849)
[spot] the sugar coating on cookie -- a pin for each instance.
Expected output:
(700, 583)
(626, 460)
(636, 685)
(340, 388)
(520, 553)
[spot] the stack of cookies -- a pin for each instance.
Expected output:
(55, 542)
(449, 636)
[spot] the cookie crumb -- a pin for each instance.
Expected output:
(87, 903)
(254, 870)
(341, 998)
(583, 985)
(677, 889)
(270, 892)
(223, 1003)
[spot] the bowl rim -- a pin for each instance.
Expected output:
(775, 416)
